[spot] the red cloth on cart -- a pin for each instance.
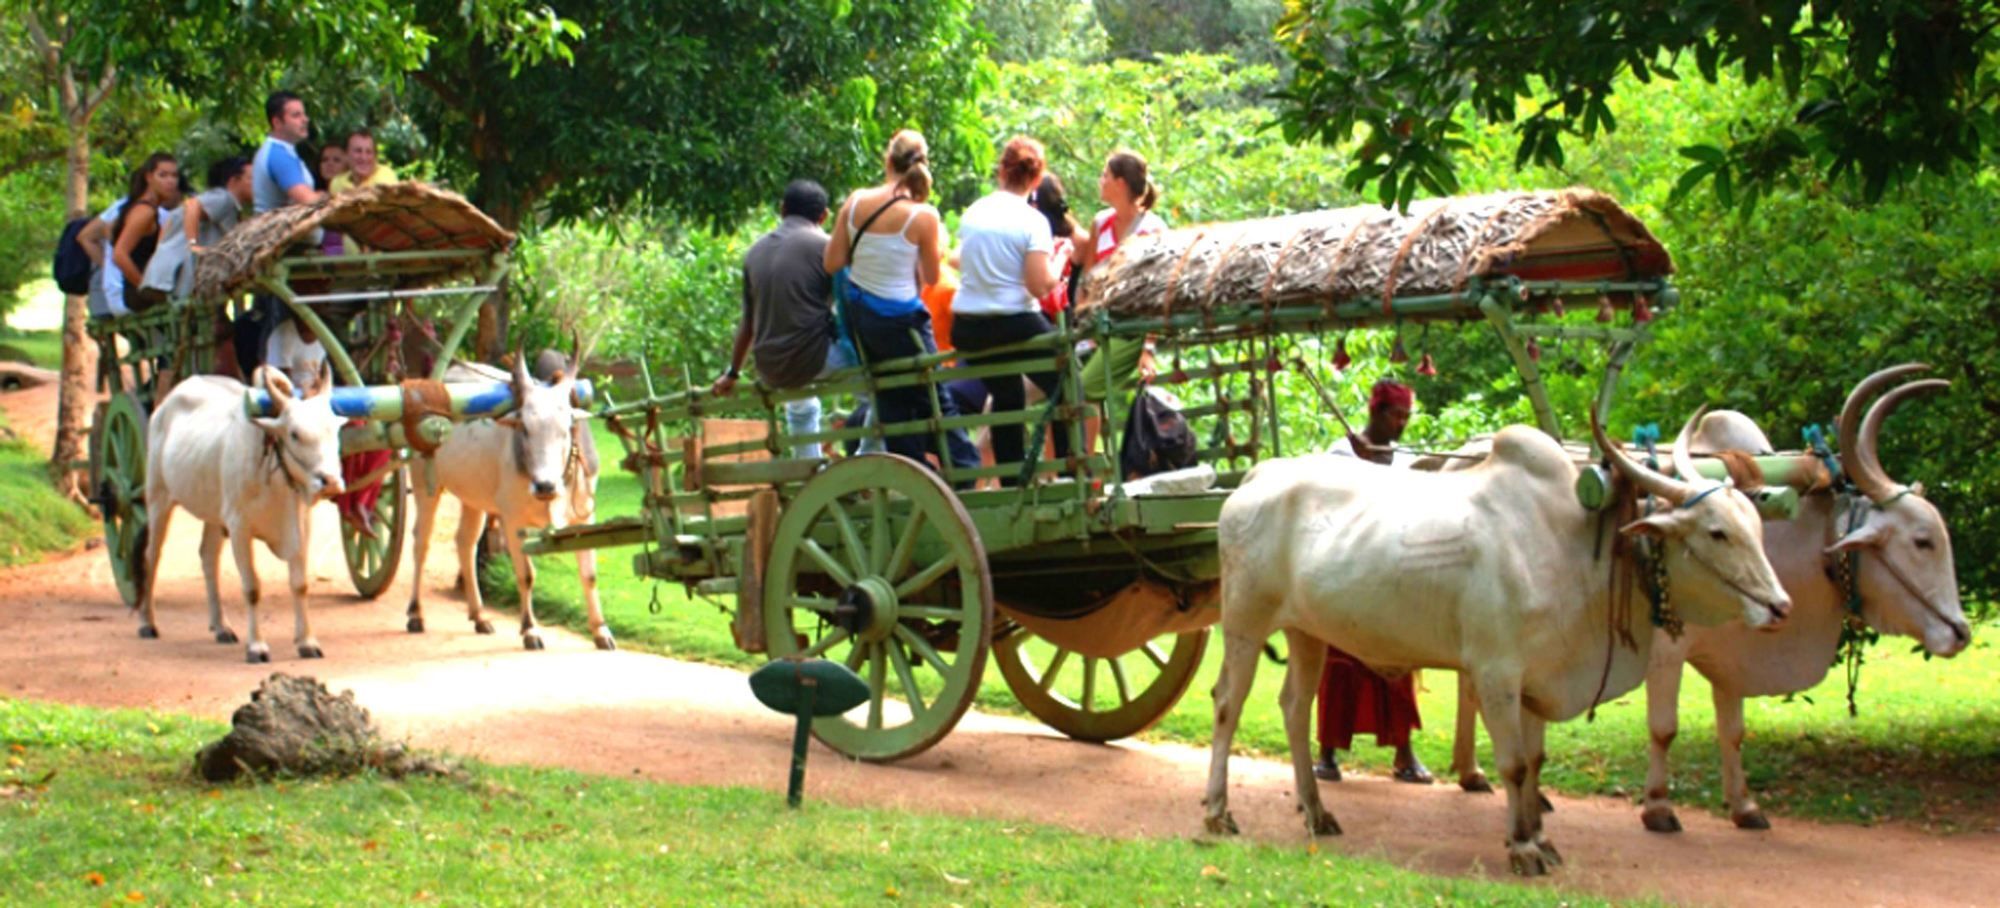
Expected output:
(355, 502)
(1355, 701)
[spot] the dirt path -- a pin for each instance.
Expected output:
(64, 636)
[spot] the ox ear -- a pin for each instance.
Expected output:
(1917, 489)
(509, 421)
(271, 427)
(1658, 526)
(579, 414)
(1869, 536)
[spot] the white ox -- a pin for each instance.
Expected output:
(244, 479)
(532, 469)
(1496, 571)
(1907, 585)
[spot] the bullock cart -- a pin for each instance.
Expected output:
(396, 308)
(1093, 593)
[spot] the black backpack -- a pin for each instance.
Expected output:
(1157, 437)
(72, 265)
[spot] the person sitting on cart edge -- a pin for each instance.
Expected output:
(890, 244)
(1352, 698)
(787, 321)
(278, 177)
(1008, 261)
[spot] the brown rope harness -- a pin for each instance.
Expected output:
(423, 398)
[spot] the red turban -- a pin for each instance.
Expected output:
(1391, 394)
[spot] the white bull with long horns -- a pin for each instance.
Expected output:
(534, 468)
(1906, 584)
(1496, 571)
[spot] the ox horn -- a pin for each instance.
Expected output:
(1871, 432)
(1684, 461)
(1647, 480)
(1865, 472)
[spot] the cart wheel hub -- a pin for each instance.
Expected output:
(867, 609)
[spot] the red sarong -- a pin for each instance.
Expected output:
(356, 502)
(1354, 700)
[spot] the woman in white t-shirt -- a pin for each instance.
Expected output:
(1131, 194)
(1008, 260)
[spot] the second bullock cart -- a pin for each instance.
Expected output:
(1092, 592)
(390, 314)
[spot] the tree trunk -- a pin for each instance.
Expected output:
(73, 398)
(495, 314)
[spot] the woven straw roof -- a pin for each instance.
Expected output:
(1323, 258)
(390, 217)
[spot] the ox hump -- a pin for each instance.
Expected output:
(1729, 430)
(1533, 451)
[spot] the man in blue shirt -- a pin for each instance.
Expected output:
(277, 175)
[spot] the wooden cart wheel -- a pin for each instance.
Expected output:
(372, 563)
(877, 564)
(118, 463)
(1098, 699)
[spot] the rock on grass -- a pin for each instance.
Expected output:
(294, 726)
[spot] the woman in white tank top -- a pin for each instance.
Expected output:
(900, 238)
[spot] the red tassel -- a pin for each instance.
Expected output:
(1604, 309)
(1398, 354)
(1272, 364)
(1534, 351)
(1340, 358)
(1556, 306)
(1426, 367)
(1641, 311)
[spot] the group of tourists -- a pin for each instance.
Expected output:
(881, 287)
(143, 247)
(902, 290)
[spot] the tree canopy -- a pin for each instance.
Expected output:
(1878, 91)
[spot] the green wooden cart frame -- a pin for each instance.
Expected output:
(429, 255)
(1095, 601)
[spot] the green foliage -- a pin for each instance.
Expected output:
(100, 808)
(1197, 119)
(1147, 29)
(702, 110)
(1877, 92)
(670, 295)
(1030, 31)
(40, 520)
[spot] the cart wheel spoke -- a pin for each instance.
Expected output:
(827, 642)
(877, 685)
(1089, 700)
(878, 533)
(923, 648)
(856, 654)
(923, 579)
(1118, 680)
(1153, 655)
(826, 563)
(850, 541)
(819, 604)
(1055, 665)
(931, 612)
(906, 545)
(909, 679)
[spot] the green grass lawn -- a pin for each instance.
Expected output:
(1925, 748)
(36, 520)
(37, 348)
(101, 807)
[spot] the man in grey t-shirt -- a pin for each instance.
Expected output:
(788, 309)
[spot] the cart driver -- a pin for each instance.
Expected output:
(1352, 698)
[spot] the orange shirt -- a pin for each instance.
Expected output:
(937, 298)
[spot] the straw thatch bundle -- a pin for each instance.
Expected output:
(390, 217)
(1323, 258)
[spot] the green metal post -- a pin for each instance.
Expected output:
(463, 318)
(795, 790)
(1531, 374)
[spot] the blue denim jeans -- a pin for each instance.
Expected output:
(802, 416)
(893, 337)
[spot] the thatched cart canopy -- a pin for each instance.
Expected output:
(392, 217)
(1325, 258)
